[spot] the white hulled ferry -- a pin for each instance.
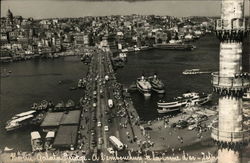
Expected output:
(144, 86)
(187, 99)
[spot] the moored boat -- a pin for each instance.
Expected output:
(165, 107)
(23, 114)
(187, 99)
(38, 119)
(43, 105)
(7, 149)
(59, 106)
(145, 48)
(70, 104)
(123, 56)
(18, 122)
(34, 106)
(144, 86)
(157, 85)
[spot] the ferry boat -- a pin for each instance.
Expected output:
(23, 114)
(191, 71)
(59, 106)
(187, 99)
(43, 106)
(36, 141)
(174, 46)
(7, 149)
(143, 48)
(123, 56)
(18, 122)
(70, 104)
(157, 84)
(38, 119)
(144, 86)
(194, 72)
(246, 96)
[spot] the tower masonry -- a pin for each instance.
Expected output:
(231, 82)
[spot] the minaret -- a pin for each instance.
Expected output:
(230, 82)
(9, 17)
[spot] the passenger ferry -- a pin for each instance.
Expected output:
(157, 84)
(187, 99)
(44, 105)
(144, 86)
(18, 122)
(143, 48)
(70, 104)
(23, 114)
(194, 72)
(59, 106)
(36, 141)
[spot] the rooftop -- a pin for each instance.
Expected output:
(52, 119)
(72, 117)
(66, 136)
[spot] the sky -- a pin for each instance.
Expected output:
(79, 8)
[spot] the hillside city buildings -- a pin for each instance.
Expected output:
(25, 38)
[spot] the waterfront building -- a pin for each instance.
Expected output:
(66, 137)
(231, 82)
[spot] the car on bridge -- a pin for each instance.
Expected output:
(100, 141)
(111, 150)
(106, 128)
(99, 124)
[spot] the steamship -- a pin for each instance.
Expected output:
(157, 85)
(187, 99)
(144, 86)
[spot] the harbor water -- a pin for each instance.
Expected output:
(32, 81)
(169, 66)
(35, 80)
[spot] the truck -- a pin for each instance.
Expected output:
(116, 142)
(110, 103)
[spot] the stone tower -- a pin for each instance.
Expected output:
(230, 82)
(9, 17)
